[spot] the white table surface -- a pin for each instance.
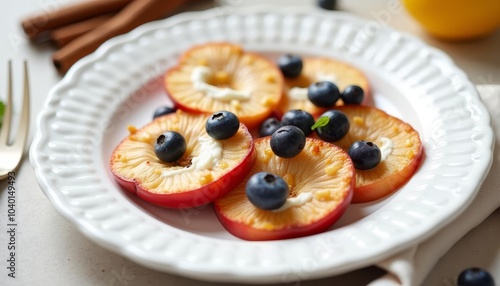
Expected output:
(50, 251)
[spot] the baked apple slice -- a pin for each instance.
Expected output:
(320, 180)
(207, 169)
(221, 76)
(400, 145)
(317, 69)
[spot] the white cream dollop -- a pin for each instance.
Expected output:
(299, 200)
(209, 155)
(298, 93)
(386, 148)
(200, 77)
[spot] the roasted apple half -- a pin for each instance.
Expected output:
(400, 145)
(221, 76)
(207, 169)
(316, 69)
(320, 181)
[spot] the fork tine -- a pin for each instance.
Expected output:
(25, 112)
(4, 133)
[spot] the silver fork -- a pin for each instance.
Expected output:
(11, 154)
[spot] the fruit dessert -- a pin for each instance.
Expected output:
(307, 78)
(221, 76)
(322, 150)
(385, 151)
(182, 160)
(302, 189)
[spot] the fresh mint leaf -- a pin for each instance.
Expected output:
(2, 110)
(322, 121)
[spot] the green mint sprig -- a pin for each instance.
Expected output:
(2, 110)
(322, 121)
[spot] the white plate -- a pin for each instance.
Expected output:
(87, 113)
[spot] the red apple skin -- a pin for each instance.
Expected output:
(389, 185)
(196, 197)
(368, 99)
(246, 232)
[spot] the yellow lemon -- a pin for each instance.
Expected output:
(456, 19)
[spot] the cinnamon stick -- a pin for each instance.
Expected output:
(36, 25)
(136, 13)
(61, 36)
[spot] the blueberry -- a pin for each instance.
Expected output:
(336, 128)
(352, 94)
(222, 125)
(299, 118)
(290, 65)
(288, 141)
(163, 110)
(475, 276)
(170, 146)
(267, 191)
(327, 4)
(323, 93)
(364, 155)
(268, 127)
